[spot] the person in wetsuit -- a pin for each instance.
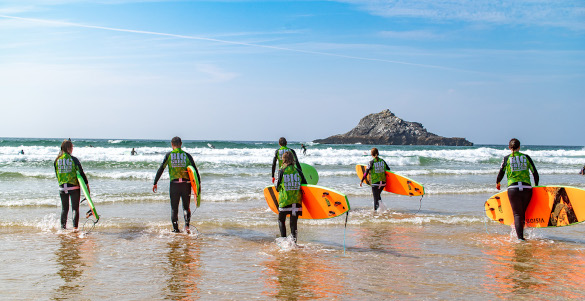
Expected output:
(278, 156)
(288, 185)
(66, 168)
(517, 167)
(180, 187)
(133, 152)
(304, 149)
(377, 169)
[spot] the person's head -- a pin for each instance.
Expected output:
(514, 145)
(374, 152)
(176, 142)
(282, 141)
(288, 159)
(66, 147)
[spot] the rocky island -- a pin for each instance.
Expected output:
(385, 128)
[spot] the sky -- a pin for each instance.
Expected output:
(484, 70)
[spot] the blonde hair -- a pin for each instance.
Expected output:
(66, 147)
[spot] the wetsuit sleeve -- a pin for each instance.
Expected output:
(303, 180)
(386, 166)
(194, 167)
(502, 170)
(76, 161)
(298, 164)
(534, 171)
(365, 176)
(274, 162)
(161, 168)
(280, 173)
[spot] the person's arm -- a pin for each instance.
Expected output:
(80, 169)
(279, 180)
(161, 168)
(534, 171)
(502, 171)
(386, 167)
(274, 164)
(365, 175)
(298, 164)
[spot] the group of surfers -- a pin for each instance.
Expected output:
(516, 166)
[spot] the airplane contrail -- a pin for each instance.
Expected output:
(231, 42)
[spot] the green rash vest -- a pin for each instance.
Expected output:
(177, 163)
(378, 171)
(289, 191)
(281, 151)
(66, 170)
(518, 167)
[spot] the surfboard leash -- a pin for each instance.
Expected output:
(344, 230)
(420, 205)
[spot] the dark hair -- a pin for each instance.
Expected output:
(66, 145)
(176, 141)
(288, 159)
(282, 141)
(374, 152)
(514, 144)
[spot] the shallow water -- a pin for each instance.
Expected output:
(445, 250)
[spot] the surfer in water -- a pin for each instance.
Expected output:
(280, 152)
(377, 169)
(304, 149)
(517, 167)
(180, 188)
(288, 185)
(133, 152)
(582, 172)
(66, 168)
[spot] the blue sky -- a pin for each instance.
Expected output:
(257, 70)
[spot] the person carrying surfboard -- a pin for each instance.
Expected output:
(180, 187)
(377, 169)
(278, 156)
(517, 167)
(66, 168)
(288, 185)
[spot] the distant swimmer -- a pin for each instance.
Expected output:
(377, 169)
(66, 168)
(288, 185)
(304, 149)
(211, 145)
(21, 152)
(517, 167)
(133, 152)
(278, 156)
(180, 188)
(582, 172)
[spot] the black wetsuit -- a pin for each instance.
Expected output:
(178, 190)
(275, 161)
(282, 214)
(377, 187)
(74, 195)
(304, 149)
(519, 197)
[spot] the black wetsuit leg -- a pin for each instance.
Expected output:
(293, 226)
(377, 191)
(74, 195)
(519, 201)
(281, 223)
(178, 192)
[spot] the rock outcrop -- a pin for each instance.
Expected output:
(385, 128)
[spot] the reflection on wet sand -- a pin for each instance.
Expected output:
(298, 274)
(73, 257)
(184, 268)
(534, 268)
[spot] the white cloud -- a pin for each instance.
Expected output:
(568, 14)
(215, 73)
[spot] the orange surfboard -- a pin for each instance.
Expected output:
(550, 206)
(395, 183)
(195, 184)
(318, 202)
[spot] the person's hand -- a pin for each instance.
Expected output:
(361, 183)
(88, 191)
(272, 180)
(154, 187)
(498, 186)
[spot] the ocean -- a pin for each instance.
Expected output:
(440, 247)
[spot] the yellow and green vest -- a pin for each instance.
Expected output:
(280, 152)
(66, 170)
(289, 191)
(378, 171)
(517, 168)
(177, 163)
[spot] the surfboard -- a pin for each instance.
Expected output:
(550, 206)
(317, 202)
(87, 197)
(310, 174)
(395, 183)
(194, 184)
